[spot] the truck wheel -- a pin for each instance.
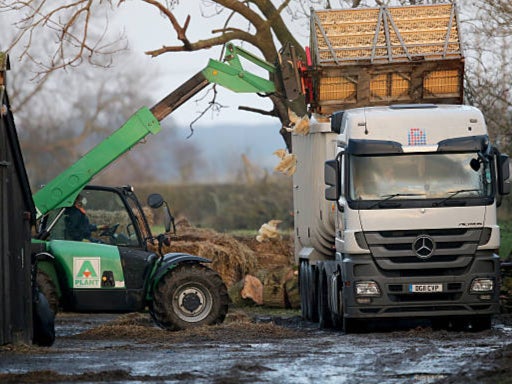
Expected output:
(337, 320)
(43, 320)
(352, 326)
(480, 323)
(347, 325)
(311, 278)
(303, 286)
(324, 315)
(307, 289)
(48, 289)
(190, 295)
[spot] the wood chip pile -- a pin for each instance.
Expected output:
(256, 273)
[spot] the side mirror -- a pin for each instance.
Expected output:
(503, 174)
(155, 200)
(332, 180)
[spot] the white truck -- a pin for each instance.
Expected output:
(403, 223)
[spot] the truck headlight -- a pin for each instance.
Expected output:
(367, 288)
(480, 285)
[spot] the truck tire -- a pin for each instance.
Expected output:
(352, 325)
(324, 314)
(312, 293)
(189, 295)
(304, 304)
(480, 323)
(307, 289)
(48, 289)
(336, 319)
(340, 321)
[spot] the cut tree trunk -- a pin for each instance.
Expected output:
(248, 291)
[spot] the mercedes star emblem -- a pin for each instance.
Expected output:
(423, 246)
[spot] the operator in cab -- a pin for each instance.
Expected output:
(78, 226)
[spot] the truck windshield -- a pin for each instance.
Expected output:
(418, 176)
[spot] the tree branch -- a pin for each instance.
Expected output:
(208, 43)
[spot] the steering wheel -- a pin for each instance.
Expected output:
(109, 231)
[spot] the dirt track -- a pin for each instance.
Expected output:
(257, 347)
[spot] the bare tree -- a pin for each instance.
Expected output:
(264, 24)
(74, 111)
(488, 30)
(61, 114)
(77, 38)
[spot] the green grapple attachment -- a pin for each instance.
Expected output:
(233, 76)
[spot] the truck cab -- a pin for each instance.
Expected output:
(416, 189)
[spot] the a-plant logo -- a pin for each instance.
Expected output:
(86, 271)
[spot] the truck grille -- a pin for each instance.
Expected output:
(424, 252)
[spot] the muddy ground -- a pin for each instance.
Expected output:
(258, 345)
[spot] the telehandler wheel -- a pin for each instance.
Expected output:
(190, 295)
(48, 289)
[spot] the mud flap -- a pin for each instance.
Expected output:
(44, 321)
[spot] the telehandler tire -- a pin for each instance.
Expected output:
(190, 295)
(43, 320)
(48, 289)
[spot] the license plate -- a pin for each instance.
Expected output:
(425, 288)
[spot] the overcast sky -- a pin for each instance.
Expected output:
(147, 30)
(241, 132)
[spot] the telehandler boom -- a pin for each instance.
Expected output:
(62, 190)
(124, 268)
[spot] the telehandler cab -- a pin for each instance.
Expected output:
(123, 268)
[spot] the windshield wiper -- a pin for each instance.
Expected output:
(389, 197)
(453, 194)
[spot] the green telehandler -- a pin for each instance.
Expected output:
(123, 269)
